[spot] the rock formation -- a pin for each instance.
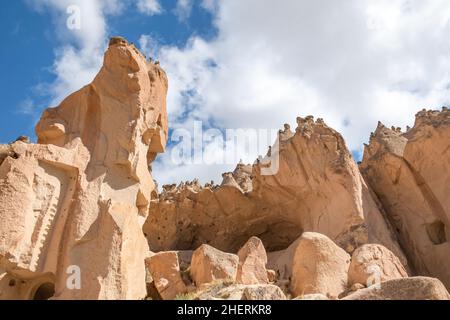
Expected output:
(319, 266)
(415, 288)
(317, 188)
(73, 205)
(372, 260)
(410, 174)
(252, 263)
(81, 217)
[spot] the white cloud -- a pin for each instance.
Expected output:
(352, 64)
(183, 9)
(149, 7)
(80, 54)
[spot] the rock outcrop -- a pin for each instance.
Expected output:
(415, 288)
(165, 271)
(209, 264)
(319, 266)
(410, 174)
(80, 216)
(308, 181)
(72, 206)
(374, 263)
(252, 263)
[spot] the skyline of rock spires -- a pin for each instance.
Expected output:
(82, 202)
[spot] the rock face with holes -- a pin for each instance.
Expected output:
(410, 174)
(308, 181)
(76, 201)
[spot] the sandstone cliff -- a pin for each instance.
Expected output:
(77, 200)
(81, 204)
(410, 174)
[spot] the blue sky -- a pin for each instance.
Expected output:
(28, 53)
(237, 64)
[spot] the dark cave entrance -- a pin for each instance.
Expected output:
(45, 291)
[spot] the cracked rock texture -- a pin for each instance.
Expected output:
(410, 174)
(77, 200)
(81, 217)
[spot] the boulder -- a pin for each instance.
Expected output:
(371, 263)
(319, 266)
(209, 264)
(415, 288)
(165, 271)
(252, 263)
(263, 292)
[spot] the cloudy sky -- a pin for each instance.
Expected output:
(237, 63)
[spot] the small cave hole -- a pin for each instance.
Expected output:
(45, 291)
(436, 232)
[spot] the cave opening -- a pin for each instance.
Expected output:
(45, 291)
(436, 232)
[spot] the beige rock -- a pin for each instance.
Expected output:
(317, 187)
(373, 263)
(416, 288)
(209, 264)
(165, 271)
(252, 263)
(319, 266)
(263, 292)
(74, 204)
(242, 292)
(313, 296)
(410, 174)
(271, 275)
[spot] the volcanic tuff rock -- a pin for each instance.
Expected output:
(372, 262)
(252, 263)
(209, 264)
(410, 174)
(319, 266)
(415, 288)
(77, 200)
(82, 202)
(315, 185)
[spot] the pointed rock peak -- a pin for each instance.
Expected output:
(117, 40)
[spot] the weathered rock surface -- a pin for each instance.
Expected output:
(75, 203)
(209, 264)
(374, 263)
(415, 288)
(307, 182)
(313, 296)
(410, 174)
(241, 292)
(165, 271)
(319, 266)
(252, 263)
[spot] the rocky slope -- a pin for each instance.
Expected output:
(81, 217)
